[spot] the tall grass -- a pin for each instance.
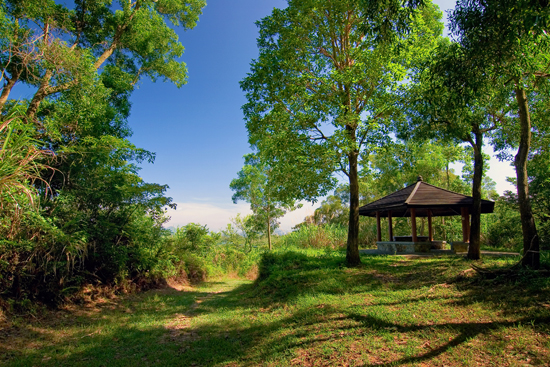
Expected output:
(328, 236)
(201, 254)
(21, 162)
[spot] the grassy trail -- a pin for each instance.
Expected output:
(305, 311)
(150, 328)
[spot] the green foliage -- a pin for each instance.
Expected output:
(197, 253)
(327, 236)
(322, 92)
(97, 221)
(21, 162)
(194, 268)
(230, 235)
(250, 229)
(347, 92)
(254, 186)
(508, 40)
(194, 238)
(398, 164)
(539, 189)
(332, 211)
(229, 261)
(504, 227)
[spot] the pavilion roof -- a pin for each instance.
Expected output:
(423, 197)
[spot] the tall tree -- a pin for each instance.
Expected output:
(441, 108)
(508, 38)
(254, 186)
(321, 92)
(54, 48)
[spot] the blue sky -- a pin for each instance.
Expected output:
(197, 131)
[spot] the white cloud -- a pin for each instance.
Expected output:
(297, 216)
(216, 217)
(499, 171)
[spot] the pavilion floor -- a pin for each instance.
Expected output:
(437, 253)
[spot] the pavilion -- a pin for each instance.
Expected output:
(421, 200)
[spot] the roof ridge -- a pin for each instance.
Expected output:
(417, 185)
(452, 192)
(392, 194)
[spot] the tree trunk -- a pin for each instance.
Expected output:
(352, 251)
(447, 173)
(474, 250)
(531, 254)
(10, 83)
(39, 96)
(268, 230)
(268, 233)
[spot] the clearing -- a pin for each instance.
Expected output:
(306, 310)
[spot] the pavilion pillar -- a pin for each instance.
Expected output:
(430, 228)
(390, 226)
(378, 228)
(465, 224)
(413, 224)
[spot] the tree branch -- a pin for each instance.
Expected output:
(116, 38)
(45, 89)
(343, 169)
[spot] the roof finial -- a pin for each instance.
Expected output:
(419, 179)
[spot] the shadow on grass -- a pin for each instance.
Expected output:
(285, 277)
(276, 341)
(265, 321)
(98, 334)
(466, 331)
(290, 278)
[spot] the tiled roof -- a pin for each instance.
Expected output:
(423, 197)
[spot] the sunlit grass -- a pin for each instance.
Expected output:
(307, 310)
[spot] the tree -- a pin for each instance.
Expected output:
(254, 186)
(440, 108)
(399, 164)
(54, 48)
(82, 63)
(331, 211)
(248, 225)
(508, 38)
(320, 93)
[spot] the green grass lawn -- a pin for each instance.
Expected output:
(306, 309)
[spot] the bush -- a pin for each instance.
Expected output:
(194, 267)
(227, 260)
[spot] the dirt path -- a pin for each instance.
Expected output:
(179, 328)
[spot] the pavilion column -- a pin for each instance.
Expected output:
(413, 224)
(378, 228)
(465, 224)
(430, 228)
(390, 226)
